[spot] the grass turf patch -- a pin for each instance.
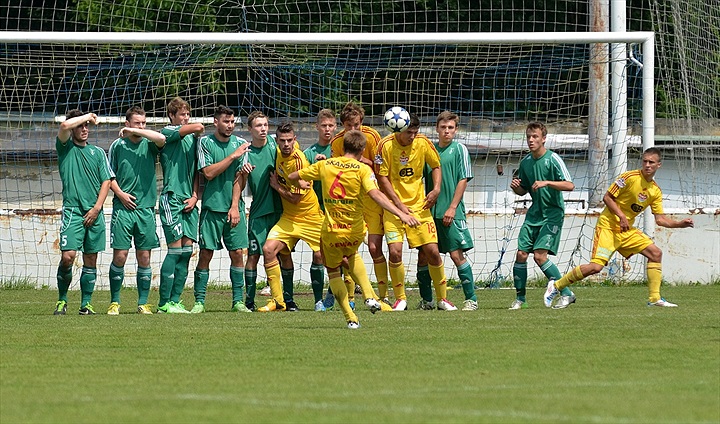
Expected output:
(608, 358)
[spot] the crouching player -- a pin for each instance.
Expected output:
(344, 181)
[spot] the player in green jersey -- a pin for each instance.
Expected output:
(132, 159)
(449, 212)
(85, 176)
(266, 206)
(543, 174)
(178, 211)
(326, 125)
(222, 219)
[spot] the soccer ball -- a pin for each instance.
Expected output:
(396, 119)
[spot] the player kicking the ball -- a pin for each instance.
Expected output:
(345, 181)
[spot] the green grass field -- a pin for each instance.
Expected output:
(608, 358)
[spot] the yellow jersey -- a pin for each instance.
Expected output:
(345, 182)
(404, 165)
(632, 193)
(308, 204)
(372, 138)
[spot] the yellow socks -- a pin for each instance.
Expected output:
(274, 278)
(397, 275)
(571, 277)
(437, 274)
(654, 276)
(338, 288)
(381, 274)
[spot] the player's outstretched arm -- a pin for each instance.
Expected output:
(286, 194)
(196, 128)
(667, 222)
(556, 185)
(387, 189)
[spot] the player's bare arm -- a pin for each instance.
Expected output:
(432, 196)
(667, 222)
(212, 171)
(557, 185)
(385, 203)
(449, 215)
(294, 177)
(127, 199)
(609, 201)
(192, 200)
(293, 198)
(234, 212)
(66, 127)
(196, 128)
(157, 138)
(91, 215)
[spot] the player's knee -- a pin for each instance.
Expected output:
(521, 256)
(67, 258)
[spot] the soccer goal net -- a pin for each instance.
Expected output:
(496, 82)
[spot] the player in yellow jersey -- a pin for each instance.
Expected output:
(345, 184)
(351, 118)
(402, 157)
(626, 198)
(301, 218)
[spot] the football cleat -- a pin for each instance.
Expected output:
(291, 306)
(663, 303)
(564, 301)
(550, 293)
(518, 304)
(198, 308)
(400, 305)
(352, 325)
(445, 305)
(114, 309)
(239, 306)
(425, 305)
(319, 306)
(87, 310)
(470, 305)
(60, 308)
(272, 305)
(144, 309)
(266, 291)
(373, 304)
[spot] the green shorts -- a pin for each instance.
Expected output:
(216, 230)
(75, 236)
(455, 237)
(544, 237)
(258, 229)
(176, 223)
(139, 225)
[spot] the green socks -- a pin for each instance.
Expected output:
(64, 278)
(237, 278)
(117, 276)
(250, 284)
(424, 283)
(520, 280)
(144, 278)
(201, 281)
(467, 281)
(317, 280)
(87, 284)
(288, 283)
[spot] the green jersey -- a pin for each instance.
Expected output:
(548, 204)
(310, 154)
(178, 159)
(217, 195)
(83, 169)
(455, 166)
(265, 200)
(134, 168)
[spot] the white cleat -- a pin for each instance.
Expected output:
(424, 305)
(373, 304)
(518, 304)
(470, 305)
(550, 294)
(265, 291)
(400, 305)
(564, 301)
(445, 305)
(663, 303)
(352, 325)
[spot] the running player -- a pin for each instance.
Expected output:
(85, 175)
(132, 159)
(344, 181)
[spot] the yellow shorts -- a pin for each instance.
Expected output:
(290, 230)
(374, 219)
(396, 231)
(336, 246)
(606, 242)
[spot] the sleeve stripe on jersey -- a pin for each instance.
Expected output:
(466, 161)
(200, 155)
(561, 165)
(107, 163)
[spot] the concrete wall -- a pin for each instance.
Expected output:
(30, 248)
